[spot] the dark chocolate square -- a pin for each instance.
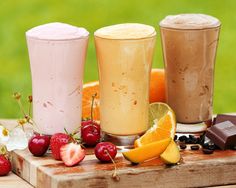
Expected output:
(223, 134)
(222, 117)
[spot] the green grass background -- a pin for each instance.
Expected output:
(16, 17)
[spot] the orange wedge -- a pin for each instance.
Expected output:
(89, 89)
(171, 155)
(146, 152)
(163, 118)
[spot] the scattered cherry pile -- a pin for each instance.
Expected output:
(66, 148)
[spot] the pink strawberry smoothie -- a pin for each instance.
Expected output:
(57, 53)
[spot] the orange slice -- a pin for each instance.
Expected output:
(157, 86)
(163, 118)
(146, 152)
(89, 89)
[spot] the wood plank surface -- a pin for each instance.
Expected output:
(196, 170)
(13, 181)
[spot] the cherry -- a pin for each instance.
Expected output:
(105, 151)
(5, 165)
(90, 130)
(38, 145)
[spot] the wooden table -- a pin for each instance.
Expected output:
(196, 170)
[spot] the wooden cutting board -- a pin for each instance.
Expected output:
(13, 181)
(196, 170)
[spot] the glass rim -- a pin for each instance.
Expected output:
(127, 39)
(190, 29)
(56, 40)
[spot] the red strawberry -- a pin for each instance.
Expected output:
(72, 154)
(56, 142)
(5, 166)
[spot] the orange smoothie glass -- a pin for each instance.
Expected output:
(124, 54)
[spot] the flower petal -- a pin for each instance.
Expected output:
(17, 140)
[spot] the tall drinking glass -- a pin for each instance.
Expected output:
(189, 43)
(57, 55)
(124, 54)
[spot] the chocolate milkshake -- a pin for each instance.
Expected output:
(189, 43)
(57, 55)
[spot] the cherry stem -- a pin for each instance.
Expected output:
(93, 98)
(114, 175)
(32, 122)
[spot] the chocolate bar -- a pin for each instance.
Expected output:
(223, 135)
(222, 117)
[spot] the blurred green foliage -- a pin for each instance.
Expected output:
(16, 17)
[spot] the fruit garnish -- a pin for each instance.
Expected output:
(88, 91)
(5, 166)
(56, 142)
(90, 130)
(163, 118)
(106, 152)
(72, 154)
(171, 155)
(147, 151)
(38, 145)
(157, 86)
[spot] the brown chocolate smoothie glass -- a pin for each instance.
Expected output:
(189, 43)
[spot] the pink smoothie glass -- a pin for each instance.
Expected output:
(57, 53)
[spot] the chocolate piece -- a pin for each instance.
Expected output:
(223, 134)
(222, 117)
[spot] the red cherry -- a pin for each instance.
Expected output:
(5, 166)
(104, 151)
(38, 145)
(90, 132)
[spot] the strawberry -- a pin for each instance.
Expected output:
(56, 142)
(72, 154)
(5, 165)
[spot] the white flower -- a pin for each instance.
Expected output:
(4, 135)
(14, 139)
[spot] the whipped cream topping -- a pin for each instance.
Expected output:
(126, 31)
(190, 21)
(57, 31)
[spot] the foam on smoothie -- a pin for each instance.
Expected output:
(126, 31)
(57, 31)
(190, 21)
